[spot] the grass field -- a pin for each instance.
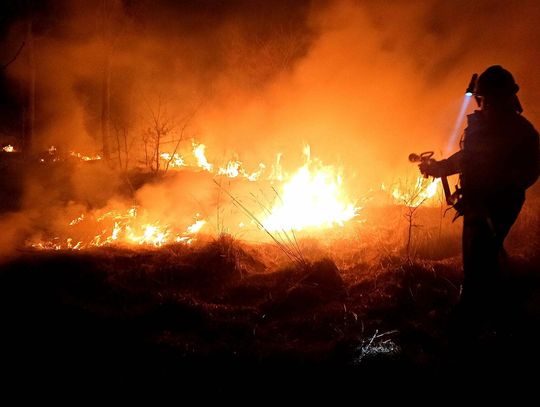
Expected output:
(221, 305)
(222, 311)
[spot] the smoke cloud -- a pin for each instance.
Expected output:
(360, 81)
(363, 83)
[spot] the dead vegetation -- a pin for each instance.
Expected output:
(225, 304)
(360, 302)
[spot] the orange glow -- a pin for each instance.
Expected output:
(174, 160)
(8, 149)
(419, 192)
(198, 152)
(235, 169)
(84, 157)
(196, 227)
(117, 227)
(314, 197)
(231, 170)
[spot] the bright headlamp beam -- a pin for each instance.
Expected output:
(461, 115)
(472, 84)
(457, 125)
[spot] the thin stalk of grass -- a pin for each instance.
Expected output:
(292, 230)
(287, 250)
(291, 242)
(293, 255)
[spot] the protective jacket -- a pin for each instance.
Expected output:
(498, 160)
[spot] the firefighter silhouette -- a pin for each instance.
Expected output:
(497, 162)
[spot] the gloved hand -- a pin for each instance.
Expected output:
(433, 168)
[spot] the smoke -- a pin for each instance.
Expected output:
(364, 83)
(361, 81)
(379, 81)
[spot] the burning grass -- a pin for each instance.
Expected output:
(146, 297)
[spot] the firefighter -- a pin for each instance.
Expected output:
(498, 160)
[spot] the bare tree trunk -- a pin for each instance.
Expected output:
(105, 105)
(126, 161)
(14, 58)
(107, 37)
(411, 217)
(158, 142)
(30, 111)
(146, 160)
(118, 149)
(409, 235)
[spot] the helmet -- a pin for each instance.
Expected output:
(496, 82)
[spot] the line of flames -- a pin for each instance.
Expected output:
(119, 228)
(313, 197)
(232, 169)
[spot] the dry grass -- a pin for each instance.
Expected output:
(357, 302)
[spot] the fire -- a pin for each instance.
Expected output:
(8, 149)
(277, 170)
(116, 227)
(84, 157)
(175, 160)
(196, 227)
(198, 152)
(254, 176)
(314, 197)
(417, 193)
(232, 169)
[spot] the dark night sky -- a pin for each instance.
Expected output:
(194, 26)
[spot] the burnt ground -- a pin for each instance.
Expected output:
(214, 319)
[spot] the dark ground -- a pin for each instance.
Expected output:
(211, 319)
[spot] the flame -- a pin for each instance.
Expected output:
(231, 170)
(277, 173)
(119, 227)
(81, 156)
(196, 227)
(175, 160)
(198, 152)
(8, 149)
(314, 197)
(234, 169)
(417, 193)
(254, 176)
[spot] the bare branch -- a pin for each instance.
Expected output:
(4, 66)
